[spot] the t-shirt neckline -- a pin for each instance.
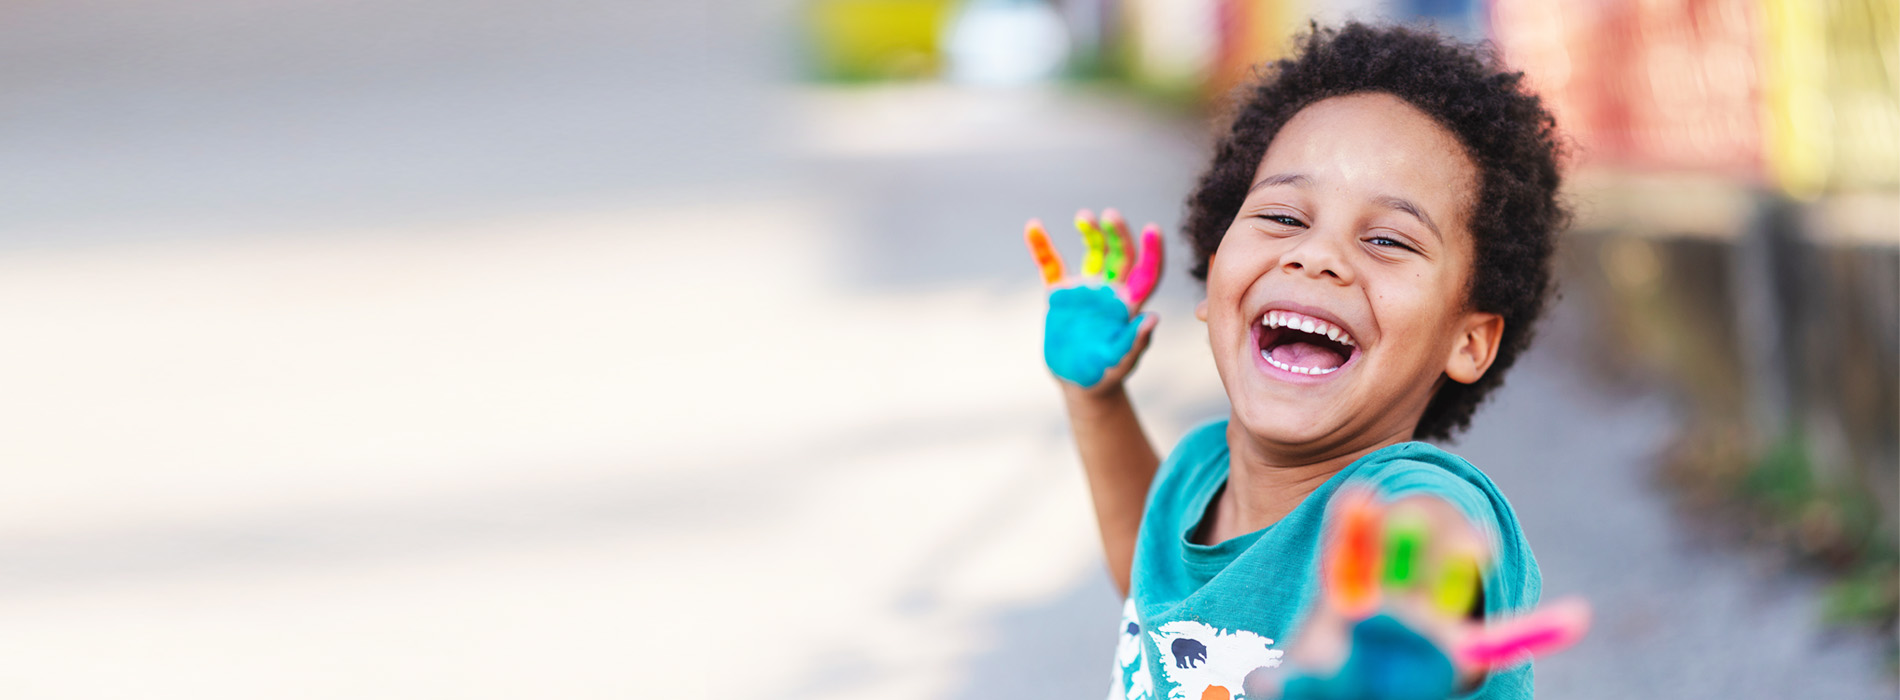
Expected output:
(1206, 560)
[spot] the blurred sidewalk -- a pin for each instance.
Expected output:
(554, 350)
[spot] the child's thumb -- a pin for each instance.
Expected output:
(1144, 331)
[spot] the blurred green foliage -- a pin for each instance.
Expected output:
(1834, 525)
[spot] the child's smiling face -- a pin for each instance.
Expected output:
(1337, 300)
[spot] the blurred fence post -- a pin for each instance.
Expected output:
(1766, 276)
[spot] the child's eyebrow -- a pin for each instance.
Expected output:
(1406, 205)
(1282, 179)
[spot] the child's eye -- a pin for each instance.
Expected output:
(1284, 220)
(1385, 242)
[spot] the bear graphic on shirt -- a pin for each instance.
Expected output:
(1196, 657)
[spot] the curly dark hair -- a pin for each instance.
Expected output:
(1504, 130)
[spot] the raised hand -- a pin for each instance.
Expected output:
(1394, 621)
(1093, 332)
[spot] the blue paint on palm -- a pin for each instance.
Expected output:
(1389, 661)
(1087, 332)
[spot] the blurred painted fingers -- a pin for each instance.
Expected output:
(1146, 273)
(1044, 252)
(1096, 242)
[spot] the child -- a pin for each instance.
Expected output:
(1374, 234)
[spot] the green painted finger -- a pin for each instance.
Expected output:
(1115, 263)
(1405, 537)
(1091, 261)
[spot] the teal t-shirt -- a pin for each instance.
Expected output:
(1200, 617)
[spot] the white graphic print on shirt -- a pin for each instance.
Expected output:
(1132, 681)
(1195, 657)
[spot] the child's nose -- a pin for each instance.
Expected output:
(1319, 255)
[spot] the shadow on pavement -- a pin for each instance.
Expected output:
(1047, 649)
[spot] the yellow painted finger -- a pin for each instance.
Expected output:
(1092, 260)
(1044, 252)
(1457, 585)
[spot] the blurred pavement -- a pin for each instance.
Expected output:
(563, 349)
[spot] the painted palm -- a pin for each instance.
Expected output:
(1094, 317)
(1405, 602)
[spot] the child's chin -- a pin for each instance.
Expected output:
(1282, 425)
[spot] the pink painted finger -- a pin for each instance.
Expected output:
(1549, 629)
(1044, 252)
(1147, 272)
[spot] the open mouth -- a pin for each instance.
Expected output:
(1302, 344)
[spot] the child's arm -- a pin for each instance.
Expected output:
(1120, 463)
(1092, 338)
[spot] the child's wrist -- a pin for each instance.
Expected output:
(1103, 393)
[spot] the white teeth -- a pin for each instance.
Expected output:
(1295, 370)
(1283, 319)
(1287, 319)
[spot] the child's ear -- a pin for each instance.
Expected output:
(1475, 347)
(1200, 310)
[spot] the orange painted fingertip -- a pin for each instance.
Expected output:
(1043, 251)
(1353, 577)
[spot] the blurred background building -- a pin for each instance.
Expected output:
(587, 349)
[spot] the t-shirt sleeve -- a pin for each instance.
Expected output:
(1404, 478)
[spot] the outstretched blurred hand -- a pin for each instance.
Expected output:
(1094, 331)
(1395, 621)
